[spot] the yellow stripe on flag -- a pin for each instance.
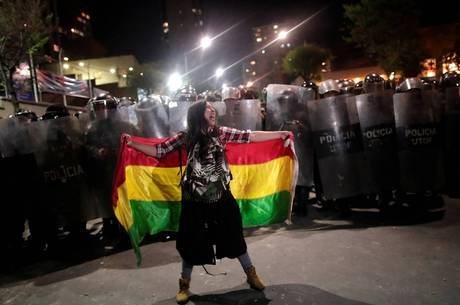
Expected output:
(253, 181)
(263, 179)
(148, 183)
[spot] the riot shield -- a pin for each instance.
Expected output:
(287, 110)
(177, 112)
(60, 166)
(9, 130)
(102, 133)
(451, 143)
(376, 118)
(338, 146)
(418, 141)
(22, 182)
(151, 118)
(242, 114)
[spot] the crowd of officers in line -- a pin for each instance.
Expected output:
(47, 227)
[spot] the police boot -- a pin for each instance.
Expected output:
(183, 294)
(254, 280)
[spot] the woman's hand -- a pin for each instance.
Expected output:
(285, 136)
(127, 138)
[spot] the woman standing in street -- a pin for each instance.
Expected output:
(210, 214)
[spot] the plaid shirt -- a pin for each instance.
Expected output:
(226, 134)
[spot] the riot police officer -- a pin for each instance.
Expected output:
(63, 175)
(102, 143)
(373, 83)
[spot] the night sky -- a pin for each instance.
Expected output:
(134, 27)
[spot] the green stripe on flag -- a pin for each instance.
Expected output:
(266, 210)
(152, 217)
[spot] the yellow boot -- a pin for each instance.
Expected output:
(183, 294)
(253, 279)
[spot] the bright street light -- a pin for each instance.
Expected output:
(174, 81)
(66, 58)
(249, 84)
(65, 66)
(130, 68)
(282, 35)
(112, 70)
(81, 64)
(219, 72)
(205, 42)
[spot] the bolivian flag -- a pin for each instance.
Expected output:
(146, 194)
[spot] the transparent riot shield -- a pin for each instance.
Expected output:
(418, 141)
(60, 166)
(242, 114)
(287, 110)
(376, 118)
(338, 146)
(151, 118)
(177, 112)
(102, 131)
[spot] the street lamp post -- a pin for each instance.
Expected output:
(64, 98)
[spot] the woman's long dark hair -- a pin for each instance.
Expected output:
(197, 130)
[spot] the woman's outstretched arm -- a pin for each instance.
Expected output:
(150, 150)
(259, 136)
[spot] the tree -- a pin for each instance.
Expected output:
(305, 61)
(386, 30)
(149, 77)
(24, 29)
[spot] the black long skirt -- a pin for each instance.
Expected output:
(203, 225)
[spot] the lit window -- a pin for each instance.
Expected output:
(275, 26)
(253, 62)
(112, 70)
(193, 10)
(258, 30)
(66, 58)
(259, 39)
(282, 45)
(66, 66)
(288, 45)
(124, 75)
(275, 62)
(130, 68)
(254, 73)
(81, 64)
(165, 30)
(201, 22)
